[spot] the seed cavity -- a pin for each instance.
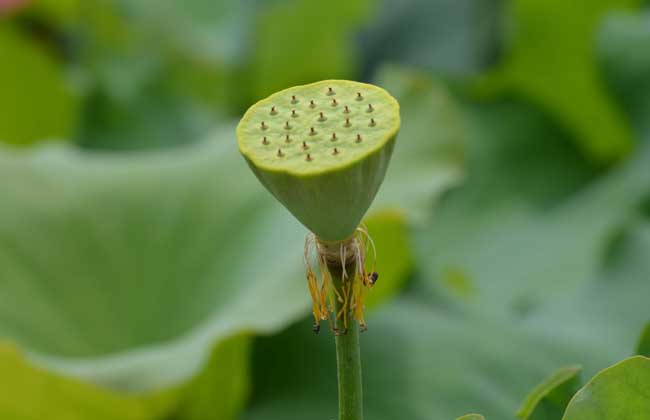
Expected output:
(347, 122)
(294, 114)
(370, 108)
(346, 110)
(372, 122)
(280, 154)
(330, 91)
(264, 126)
(333, 136)
(334, 103)
(308, 158)
(287, 139)
(335, 151)
(322, 117)
(358, 138)
(265, 141)
(312, 131)
(359, 97)
(287, 126)
(273, 111)
(293, 99)
(312, 104)
(304, 145)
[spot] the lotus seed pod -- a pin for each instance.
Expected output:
(322, 150)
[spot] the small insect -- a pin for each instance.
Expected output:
(373, 278)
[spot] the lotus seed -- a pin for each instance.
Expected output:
(359, 97)
(280, 154)
(346, 110)
(265, 141)
(304, 145)
(370, 108)
(358, 138)
(322, 117)
(287, 126)
(287, 139)
(333, 136)
(312, 104)
(293, 99)
(312, 132)
(293, 113)
(273, 111)
(308, 158)
(335, 152)
(347, 122)
(263, 126)
(334, 103)
(372, 122)
(330, 91)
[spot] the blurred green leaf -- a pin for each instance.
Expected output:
(552, 62)
(36, 101)
(621, 40)
(301, 41)
(618, 392)
(131, 263)
(221, 389)
(471, 417)
(643, 346)
(29, 393)
(549, 399)
(446, 37)
(520, 168)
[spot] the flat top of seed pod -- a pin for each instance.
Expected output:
(323, 126)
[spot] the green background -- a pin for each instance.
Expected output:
(145, 274)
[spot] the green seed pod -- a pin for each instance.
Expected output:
(322, 150)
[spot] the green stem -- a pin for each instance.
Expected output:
(348, 357)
